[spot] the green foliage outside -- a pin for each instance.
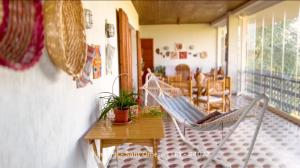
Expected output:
(274, 63)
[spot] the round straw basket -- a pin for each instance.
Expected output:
(21, 33)
(65, 35)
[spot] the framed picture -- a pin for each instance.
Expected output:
(178, 46)
(183, 55)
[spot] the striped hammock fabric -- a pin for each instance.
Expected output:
(172, 100)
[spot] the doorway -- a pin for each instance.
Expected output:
(147, 56)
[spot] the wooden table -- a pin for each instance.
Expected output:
(146, 131)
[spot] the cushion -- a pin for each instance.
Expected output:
(208, 117)
(211, 98)
(216, 116)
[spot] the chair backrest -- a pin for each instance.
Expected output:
(200, 78)
(184, 86)
(184, 71)
(228, 84)
(212, 74)
(219, 87)
(175, 81)
(172, 79)
(215, 87)
(209, 86)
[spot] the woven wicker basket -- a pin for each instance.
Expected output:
(21, 33)
(65, 35)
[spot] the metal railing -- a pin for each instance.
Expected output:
(283, 90)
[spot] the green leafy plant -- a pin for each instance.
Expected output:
(153, 112)
(122, 102)
(160, 70)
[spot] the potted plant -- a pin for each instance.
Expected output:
(160, 71)
(120, 104)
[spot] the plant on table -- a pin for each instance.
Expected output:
(120, 104)
(153, 112)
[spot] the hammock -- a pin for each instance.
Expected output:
(181, 110)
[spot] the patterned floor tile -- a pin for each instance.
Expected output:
(277, 145)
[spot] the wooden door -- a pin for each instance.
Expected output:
(125, 57)
(139, 62)
(147, 55)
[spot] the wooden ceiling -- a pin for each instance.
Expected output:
(183, 11)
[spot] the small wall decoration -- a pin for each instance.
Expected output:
(157, 51)
(110, 50)
(65, 42)
(166, 47)
(183, 55)
(97, 63)
(177, 53)
(191, 47)
(203, 54)
(88, 18)
(84, 78)
(178, 46)
(109, 29)
(168, 53)
(173, 55)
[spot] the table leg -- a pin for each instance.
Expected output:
(154, 153)
(92, 142)
(101, 151)
(116, 154)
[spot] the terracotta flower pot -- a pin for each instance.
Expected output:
(121, 115)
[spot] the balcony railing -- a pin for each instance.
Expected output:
(283, 90)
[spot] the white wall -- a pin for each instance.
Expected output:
(202, 36)
(43, 117)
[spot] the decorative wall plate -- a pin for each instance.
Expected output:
(21, 33)
(65, 35)
(203, 54)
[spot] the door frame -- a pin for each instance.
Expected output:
(144, 70)
(124, 48)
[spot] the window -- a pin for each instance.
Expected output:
(272, 56)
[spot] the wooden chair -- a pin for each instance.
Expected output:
(199, 88)
(174, 79)
(184, 71)
(224, 92)
(184, 85)
(228, 92)
(210, 101)
(212, 74)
